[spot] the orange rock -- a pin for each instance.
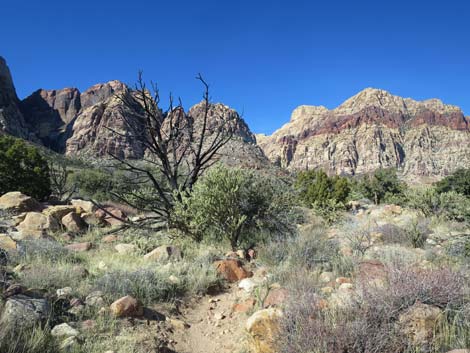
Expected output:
(127, 307)
(232, 270)
(79, 247)
(276, 297)
(245, 306)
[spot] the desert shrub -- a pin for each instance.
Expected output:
(459, 248)
(449, 205)
(237, 205)
(458, 182)
(32, 340)
(315, 186)
(370, 325)
(330, 210)
(92, 183)
(392, 234)
(23, 168)
(383, 184)
(417, 232)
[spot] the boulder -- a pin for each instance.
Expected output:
(244, 306)
(91, 219)
(79, 247)
(232, 270)
(21, 310)
(247, 284)
(16, 202)
(418, 323)
(64, 330)
(263, 328)
(459, 351)
(58, 212)
(36, 225)
(95, 299)
(7, 243)
(116, 212)
(125, 248)
(164, 253)
(83, 206)
(127, 307)
(74, 223)
(276, 297)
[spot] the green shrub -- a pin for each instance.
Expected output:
(383, 184)
(459, 182)
(23, 168)
(314, 186)
(449, 205)
(92, 183)
(237, 205)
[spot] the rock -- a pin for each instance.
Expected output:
(373, 129)
(13, 290)
(372, 272)
(127, 307)
(326, 277)
(64, 330)
(66, 236)
(219, 316)
(341, 280)
(459, 351)
(178, 324)
(174, 279)
(116, 212)
(88, 325)
(91, 219)
(263, 328)
(64, 292)
(82, 206)
(164, 253)
(7, 243)
(58, 212)
(419, 322)
(232, 270)
(36, 225)
(247, 284)
(79, 247)
(111, 238)
(74, 223)
(69, 344)
(20, 310)
(125, 248)
(276, 297)
(245, 306)
(95, 299)
(16, 202)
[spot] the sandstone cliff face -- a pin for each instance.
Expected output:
(11, 119)
(371, 130)
(242, 150)
(49, 113)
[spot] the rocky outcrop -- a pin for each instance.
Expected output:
(49, 113)
(374, 129)
(11, 119)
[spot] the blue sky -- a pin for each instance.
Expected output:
(262, 58)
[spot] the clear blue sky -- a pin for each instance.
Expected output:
(263, 58)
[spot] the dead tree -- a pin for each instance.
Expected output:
(177, 147)
(59, 178)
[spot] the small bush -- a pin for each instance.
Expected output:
(43, 250)
(448, 205)
(23, 168)
(92, 183)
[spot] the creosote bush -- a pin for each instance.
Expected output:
(381, 186)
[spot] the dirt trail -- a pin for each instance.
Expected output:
(213, 326)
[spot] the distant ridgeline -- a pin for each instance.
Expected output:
(371, 130)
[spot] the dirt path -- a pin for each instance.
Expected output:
(213, 326)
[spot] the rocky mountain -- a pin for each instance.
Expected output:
(92, 123)
(373, 129)
(11, 119)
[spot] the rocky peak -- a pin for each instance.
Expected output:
(11, 119)
(101, 92)
(374, 129)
